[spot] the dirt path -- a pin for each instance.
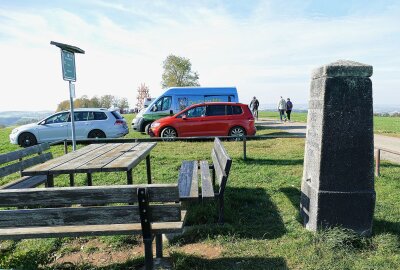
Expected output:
(392, 143)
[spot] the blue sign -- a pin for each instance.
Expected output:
(68, 65)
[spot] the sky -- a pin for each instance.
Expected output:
(266, 49)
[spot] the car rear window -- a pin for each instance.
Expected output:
(117, 115)
(97, 116)
(213, 110)
(237, 110)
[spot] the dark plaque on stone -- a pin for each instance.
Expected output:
(338, 179)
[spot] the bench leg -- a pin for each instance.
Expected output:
(89, 179)
(71, 180)
(159, 245)
(129, 177)
(221, 209)
(148, 253)
(50, 181)
(148, 169)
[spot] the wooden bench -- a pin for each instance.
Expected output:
(150, 210)
(24, 161)
(197, 179)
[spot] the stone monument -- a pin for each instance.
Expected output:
(338, 179)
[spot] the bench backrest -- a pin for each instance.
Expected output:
(77, 205)
(24, 163)
(222, 164)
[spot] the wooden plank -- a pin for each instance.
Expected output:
(130, 158)
(187, 181)
(224, 160)
(90, 230)
(219, 172)
(26, 163)
(86, 215)
(93, 195)
(15, 155)
(73, 165)
(26, 182)
(45, 167)
(101, 161)
(207, 190)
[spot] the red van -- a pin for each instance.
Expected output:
(207, 119)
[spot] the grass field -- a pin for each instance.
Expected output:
(384, 125)
(262, 231)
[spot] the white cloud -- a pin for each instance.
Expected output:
(262, 55)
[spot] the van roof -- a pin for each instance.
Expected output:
(201, 90)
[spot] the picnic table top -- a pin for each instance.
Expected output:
(103, 157)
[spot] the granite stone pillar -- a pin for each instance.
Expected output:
(338, 179)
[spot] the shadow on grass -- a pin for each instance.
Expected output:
(293, 194)
(382, 226)
(130, 264)
(389, 165)
(184, 261)
(257, 161)
(249, 213)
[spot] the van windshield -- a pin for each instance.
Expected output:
(162, 104)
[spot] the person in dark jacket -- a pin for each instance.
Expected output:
(289, 107)
(254, 107)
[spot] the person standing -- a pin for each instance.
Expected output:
(289, 107)
(254, 107)
(282, 109)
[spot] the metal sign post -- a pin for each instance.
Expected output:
(69, 74)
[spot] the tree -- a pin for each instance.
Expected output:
(178, 72)
(107, 101)
(123, 104)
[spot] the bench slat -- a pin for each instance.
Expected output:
(26, 182)
(86, 216)
(207, 191)
(90, 230)
(224, 160)
(19, 166)
(188, 180)
(219, 172)
(87, 195)
(15, 155)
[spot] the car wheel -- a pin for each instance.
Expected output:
(237, 132)
(96, 134)
(169, 132)
(147, 128)
(27, 139)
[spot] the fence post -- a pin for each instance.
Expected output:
(378, 162)
(244, 148)
(65, 147)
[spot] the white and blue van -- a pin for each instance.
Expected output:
(175, 99)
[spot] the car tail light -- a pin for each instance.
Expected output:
(119, 122)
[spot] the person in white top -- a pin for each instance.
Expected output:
(282, 108)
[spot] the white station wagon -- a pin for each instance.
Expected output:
(89, 123)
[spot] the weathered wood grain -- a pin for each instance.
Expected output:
(73, 165)
(219, 171)
(90, 230)
(104, 159)
(46, 167)
(85, 215)
(224, 160)
(26, 182)
(188, 180)
(130, 158)
(23, 164)
(18, 154)
(93, 195)
(207, 190)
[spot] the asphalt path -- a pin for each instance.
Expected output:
(298, 128)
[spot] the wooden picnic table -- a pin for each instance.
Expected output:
(102, 157)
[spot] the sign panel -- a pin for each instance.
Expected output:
(68, 65)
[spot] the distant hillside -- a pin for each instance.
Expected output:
(14, 118)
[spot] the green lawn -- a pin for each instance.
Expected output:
(384, 125)
(262, 231)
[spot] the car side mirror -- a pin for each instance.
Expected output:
(184, 117)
